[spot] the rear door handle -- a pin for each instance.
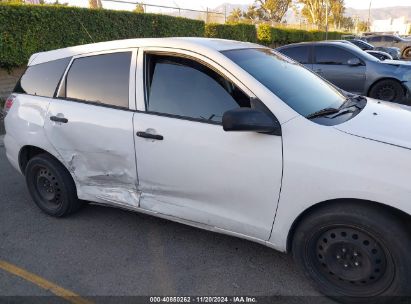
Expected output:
(151, 136)
(59, 119)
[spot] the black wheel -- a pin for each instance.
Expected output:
(354, 253)
(388, 90)
(51, 186)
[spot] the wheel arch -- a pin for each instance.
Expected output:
(401, 215)
(27, 152)
(382, 79)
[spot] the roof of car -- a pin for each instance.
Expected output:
(332, 42)
(202, 45)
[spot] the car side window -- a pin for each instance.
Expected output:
(332, 55)
(42, 79)
(300, 54)
(186, 88)
(389, 39)
(374, 39)
(102, 79)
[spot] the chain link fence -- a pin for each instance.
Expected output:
(209, 16)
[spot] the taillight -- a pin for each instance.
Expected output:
(8, 104)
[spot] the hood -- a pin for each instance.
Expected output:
(386, 122)
(397, 62)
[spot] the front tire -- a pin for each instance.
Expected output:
(51, 186)
(388, 90)
(354, 253)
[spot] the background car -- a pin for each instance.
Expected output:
(353, 70)
(391, 41)
(380, 55)
(365, 46)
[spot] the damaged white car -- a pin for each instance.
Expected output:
(226, 136)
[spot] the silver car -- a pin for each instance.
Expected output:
(354, 70)
(391, 41)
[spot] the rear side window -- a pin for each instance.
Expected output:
(42, 79)
(300, 53)
(374, 39)
(186, 88)
(332, 55)
(99, 79)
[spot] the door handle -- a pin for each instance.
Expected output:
(59, 119)
(151, 136)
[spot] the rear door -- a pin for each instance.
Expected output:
(331, 62)
(90, 125)
(301, 54)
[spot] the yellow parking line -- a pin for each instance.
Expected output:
(43, 283)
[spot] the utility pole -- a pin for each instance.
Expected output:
(326, 20)
(369, 17)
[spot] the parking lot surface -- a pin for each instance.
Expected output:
(103, 251)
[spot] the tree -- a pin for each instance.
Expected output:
(273, 10)
(95, 4)
(235, 15)
(347, 23)
(252, 14)
(139, 8)
(363, 26)
(315, 11)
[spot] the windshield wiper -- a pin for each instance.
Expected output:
(323, 112)
(356, 100)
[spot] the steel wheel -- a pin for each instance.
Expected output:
(352, 260)
(51, 186)
(48, 188)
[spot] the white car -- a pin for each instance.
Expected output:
(227, 136)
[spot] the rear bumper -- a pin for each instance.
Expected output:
(12, 151)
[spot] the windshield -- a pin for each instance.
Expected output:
(301, 89)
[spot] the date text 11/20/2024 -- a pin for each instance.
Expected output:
(209, 299)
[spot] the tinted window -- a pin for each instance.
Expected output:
(374, 39)
(301, 89)
(331, 55)
(361, 44)
(42, 79)
(300, 53)
(186, 88)
(102, 79)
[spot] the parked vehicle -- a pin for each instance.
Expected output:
(353, 70)
(365, 46)
(380, 55)
(227, 136)
(377, 54)
(391, 41)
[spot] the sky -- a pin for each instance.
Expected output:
(203, 4)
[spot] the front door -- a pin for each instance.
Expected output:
(188, 166)
(331, 63)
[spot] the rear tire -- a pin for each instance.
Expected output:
(388, 90)
(354, 253)
(51, 186)
(406, 54)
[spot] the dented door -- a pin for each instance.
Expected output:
(97, 146)
(90, 125)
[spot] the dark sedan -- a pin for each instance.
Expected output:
(354, 70)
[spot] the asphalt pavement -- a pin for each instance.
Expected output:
(102, 251)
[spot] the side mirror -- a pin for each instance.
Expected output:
(246, 119)
(354, 62)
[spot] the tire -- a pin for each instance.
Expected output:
(354, 253)
(388, 90)
(51, 186)
(406, 53)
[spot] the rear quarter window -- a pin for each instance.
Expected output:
(42, 79)
(300, 54)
